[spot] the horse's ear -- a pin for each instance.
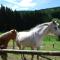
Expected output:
(54, 22)
(14, 30)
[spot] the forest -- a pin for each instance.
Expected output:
(24, 20)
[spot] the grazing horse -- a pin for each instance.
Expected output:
(33, 37)
(4, 40)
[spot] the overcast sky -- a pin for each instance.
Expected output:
(29, 4)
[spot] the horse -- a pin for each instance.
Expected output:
(4, 40)
(33, 37)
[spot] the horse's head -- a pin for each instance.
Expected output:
(54, 28)
(13, 33)
(6, 37)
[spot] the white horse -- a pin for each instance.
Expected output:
(33, 37)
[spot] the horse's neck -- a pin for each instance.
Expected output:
(42, 31)
(4, 34)
(40, 27)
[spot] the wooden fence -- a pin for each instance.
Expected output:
(34, 52)
(30, 52)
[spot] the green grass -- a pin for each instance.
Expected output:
(47, 44)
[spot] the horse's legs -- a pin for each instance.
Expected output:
(22, 55)
(38, 55)
(32, 54)
(24, 58)
(13, 44)
(4, 56)
(32, 57)
(20, 49)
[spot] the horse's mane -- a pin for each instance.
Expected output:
(40, 25)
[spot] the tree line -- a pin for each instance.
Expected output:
(24, 20)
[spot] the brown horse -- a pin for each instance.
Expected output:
(4, 40)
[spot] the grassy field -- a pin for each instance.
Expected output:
(47, 45)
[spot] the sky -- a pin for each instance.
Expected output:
(29, 4)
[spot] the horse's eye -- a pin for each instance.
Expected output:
(55, 28)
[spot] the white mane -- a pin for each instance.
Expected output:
(40, 26)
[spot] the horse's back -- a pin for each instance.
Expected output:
(24, 35)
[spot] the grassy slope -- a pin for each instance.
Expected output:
(49, 41)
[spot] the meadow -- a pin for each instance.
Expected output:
(49, 43)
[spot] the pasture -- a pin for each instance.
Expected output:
(49, 43)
